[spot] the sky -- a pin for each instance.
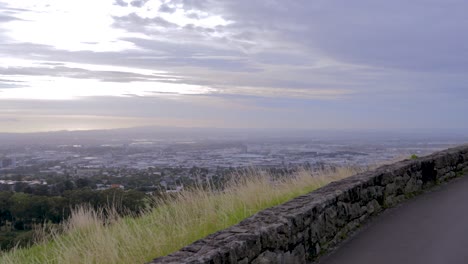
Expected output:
(302, 64)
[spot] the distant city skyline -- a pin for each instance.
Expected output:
(322, 64)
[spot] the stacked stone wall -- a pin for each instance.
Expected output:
(304, 228)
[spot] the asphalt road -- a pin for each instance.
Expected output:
(429, 229)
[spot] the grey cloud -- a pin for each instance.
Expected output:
(181, 55)
(192, 4)
(193, 15)
(397, 57)
(199, 63)
(8, 120)
(157, 27)
(172, 56)
(53, 63)
(6, 18)
(193, 28)
(134, 23)
(167, 9)
(138, 3)
(26, 50)
(10, 10)
(9, 81)
(280, 44)
(7, 84)
(418, 36)
(386, 35)
(110, 76)
(120, 3)
(7, 14)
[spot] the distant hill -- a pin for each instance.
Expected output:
(127, 135)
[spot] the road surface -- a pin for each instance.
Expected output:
(429, 229)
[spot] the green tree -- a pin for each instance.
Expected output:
(20, 209)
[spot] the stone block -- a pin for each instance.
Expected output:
(308, 225)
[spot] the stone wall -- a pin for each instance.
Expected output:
(305, 227)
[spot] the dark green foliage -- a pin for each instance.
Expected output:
(15, 238)
(20, 212)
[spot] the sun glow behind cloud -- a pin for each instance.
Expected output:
(153, 83)
(46, 87)
(88, 24)
(62, 88)
(68, 25)
(22, 63)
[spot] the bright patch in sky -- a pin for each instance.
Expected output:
(88, 24)
(180, 18)
(66, 88)
(69, 25)
(14, 62)
(60, 88)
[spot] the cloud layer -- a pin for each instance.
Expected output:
(237, 63)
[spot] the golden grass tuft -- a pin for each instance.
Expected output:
(90, 237)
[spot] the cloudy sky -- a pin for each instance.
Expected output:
(302, 64)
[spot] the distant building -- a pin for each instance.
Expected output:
(7, 185)
(177, 189)
(102, 187)
(7, 163)
(117, 186)
(85, 172)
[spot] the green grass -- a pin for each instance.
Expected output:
(89, 237)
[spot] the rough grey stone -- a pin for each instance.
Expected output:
(305, 227)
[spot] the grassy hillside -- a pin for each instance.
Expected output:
(89, 237)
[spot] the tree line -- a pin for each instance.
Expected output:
(21, 212)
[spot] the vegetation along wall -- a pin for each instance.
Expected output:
(303, 228)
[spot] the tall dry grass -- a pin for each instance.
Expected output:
(91, 236)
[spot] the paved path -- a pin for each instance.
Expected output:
(429, 229)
